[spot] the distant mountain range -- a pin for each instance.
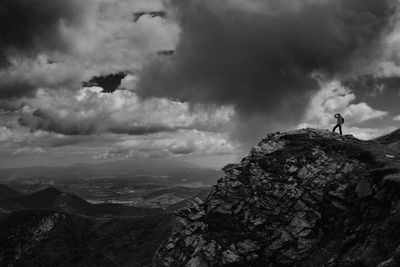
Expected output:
(54, 199)
(161, 170)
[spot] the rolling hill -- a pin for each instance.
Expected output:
(7, 199)
(7, 191)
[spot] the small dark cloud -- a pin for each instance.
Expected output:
(109, 83)
(259, 55)
(153, 14)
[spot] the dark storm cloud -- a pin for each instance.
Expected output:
(259, 55)
(28, 26)
(373, 85)
(10, 106)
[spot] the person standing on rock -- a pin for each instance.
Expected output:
(339, 123)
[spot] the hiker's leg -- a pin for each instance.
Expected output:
(334, 128)
(340, 129)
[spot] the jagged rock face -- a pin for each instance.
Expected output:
(302, 198)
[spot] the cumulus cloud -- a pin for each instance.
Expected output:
(5, 134)
(17, 143)
(112, 42)
(183, 142)
(14, 136)
(361, 112)
(259, 55)
(335, 98)
(59, 44)
(25, 76)
(88, 111)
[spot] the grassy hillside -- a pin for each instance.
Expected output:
(47, 238)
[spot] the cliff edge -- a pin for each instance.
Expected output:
(303, 198)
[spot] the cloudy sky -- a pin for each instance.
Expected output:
(198, 80)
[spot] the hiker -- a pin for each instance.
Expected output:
(339, 123)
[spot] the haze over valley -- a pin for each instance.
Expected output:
(139, 183)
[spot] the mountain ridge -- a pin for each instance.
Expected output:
(129, 161)
(54, 199)
(174, 170)
(301, 198)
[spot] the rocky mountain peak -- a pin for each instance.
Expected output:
(302, 198)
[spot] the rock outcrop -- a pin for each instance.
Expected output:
(302, 198)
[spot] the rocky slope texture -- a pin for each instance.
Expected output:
(303, 198)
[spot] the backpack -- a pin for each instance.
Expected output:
(342, 120)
